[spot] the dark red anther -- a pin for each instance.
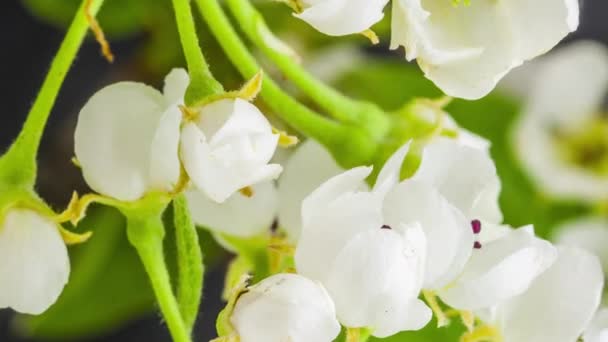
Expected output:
(385, 226)
(476, 225)
(477, 245)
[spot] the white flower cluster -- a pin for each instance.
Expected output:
(465, 47)
(439, 233)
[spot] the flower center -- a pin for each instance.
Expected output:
(585, 147)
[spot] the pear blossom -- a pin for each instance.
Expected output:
(465, 49)
(560, 137)
(239, 215)
(559, 304)
(127, 138)
(34, 266)
(367, 255)
(307, 168)
(588, 233)
(227, 147)
(285, 307)
(341, 17)
(597, 331)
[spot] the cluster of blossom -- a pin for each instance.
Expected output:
(465, 48)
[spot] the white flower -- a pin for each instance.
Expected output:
(34, 266)
(228, 148)
(307, 168)
(561, 136)
(597, 331)
(239, 215)
(127, 138)
(500, 268)
(285, 307)
(588, 233)
(341, 17)
(466, 49)
(559, 304)
(359, 246)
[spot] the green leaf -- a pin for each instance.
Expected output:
(108, 286)
(189, 262)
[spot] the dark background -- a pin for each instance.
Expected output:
(27, 46)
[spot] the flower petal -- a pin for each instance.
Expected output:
(465, 176)
(449, 235)
(500, 270)
(597, 331)
(176, 83)
(239, 215)
(559, 304)
(299, 179)
(589, 233)
(342, 17)
(113, 137)
(164, 153)
(35, 265)
(374, 279)
(390, 174)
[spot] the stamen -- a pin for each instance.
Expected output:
(385, 226)
(477, 245)
(476, 225)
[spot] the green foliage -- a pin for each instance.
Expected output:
(108, 286)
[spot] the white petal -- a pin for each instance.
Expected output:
(500, 270)
(238, 215)
(113, 137)
(449, 235)
(589, 233)
(219, 173)
(346, 182)
(164, 152)
(597, 331)
(559, 304)
(285, 307)
(176, 83)
(465, 176)
(373, 281)
(34, 266)
(308, 167)
(390, 174)
(229, 118)
(326, 232)
(342, 17)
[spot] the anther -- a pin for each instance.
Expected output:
(477, 245)
(385, 226)
(476, 225)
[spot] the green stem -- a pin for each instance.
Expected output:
(202, 83)
(146, 233)
(18, 165)
(349, 145)
(253, 25)
(189, 262)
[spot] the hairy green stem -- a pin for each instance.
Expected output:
(18, 165)
(350, 146)
(202, 83)
(253, 25)
(146, 232)
(189, 262)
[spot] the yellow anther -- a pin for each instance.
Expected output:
(247, 191)
(285, 140)
(371, 35)
(433, 303)
(98, 32)
(76, 162)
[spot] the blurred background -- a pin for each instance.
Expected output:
(108, 298)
